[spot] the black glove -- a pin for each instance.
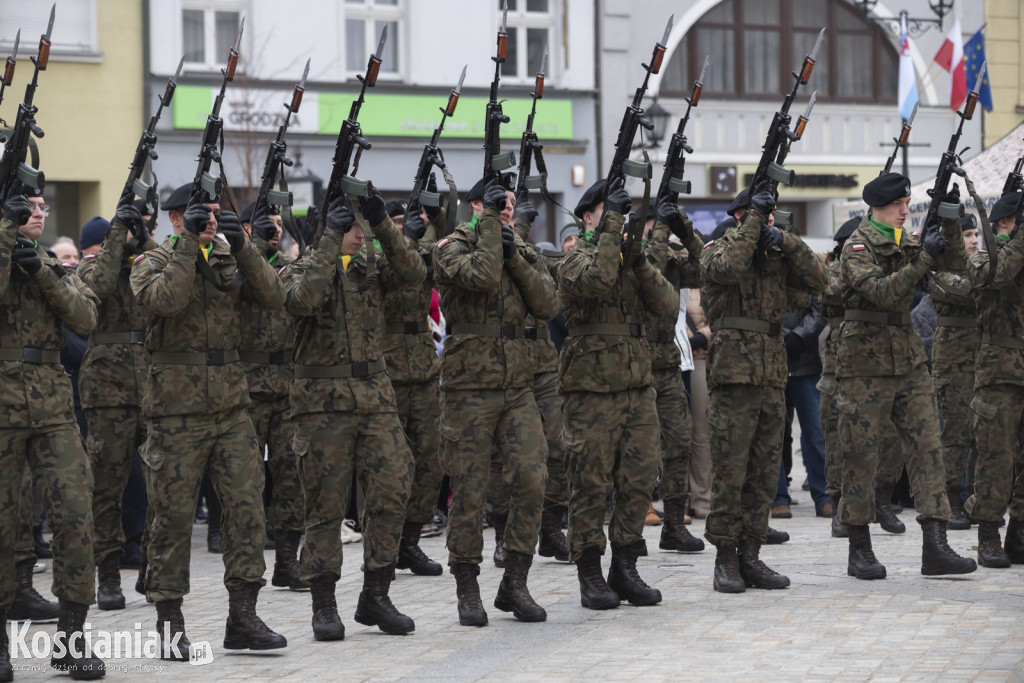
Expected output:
(26, 256)
(698, 341)
(340, 217)
(953, 197)
(671, 215)
(638, 261)
(264, 228)
(794, 344)
(525, 210)
(413, 226)
(128, 216)
(141, 233)
(934, 243)
(494, 196)
(763, 202)
(617, 199)
(770, 237)
(196, 217)
(373, 208)
(231, 228)
(508, 242)
(432, 211)
(18, 209)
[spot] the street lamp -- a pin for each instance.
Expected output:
(659, 116)
(915, 25)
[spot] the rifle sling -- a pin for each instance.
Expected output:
(288, 219)
(543, 168)
(986, 232)
(452, 203)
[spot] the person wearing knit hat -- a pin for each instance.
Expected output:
(93, 233)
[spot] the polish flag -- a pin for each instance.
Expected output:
(951, 58)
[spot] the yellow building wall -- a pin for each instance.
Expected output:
(1004, 48)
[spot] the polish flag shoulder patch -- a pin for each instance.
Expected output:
(709, 244)
(67, 265)
(138, 258)
(443, 243)
(281, 270)
(859, 247)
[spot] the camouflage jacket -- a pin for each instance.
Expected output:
(408, 342)
(269, 336)
(746, 308)
(880, 278)
(545, 357)
(485, 301)
(185, 313)
(616, 304)
(114, 369)
(35, 311)
(1000, 358)
(957, 336)
(342, 322)
(681, 271)
(831, 302)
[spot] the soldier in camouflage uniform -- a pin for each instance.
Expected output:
(611, 433)
(344, 409)
(265, 351)
(881, 371)
(487, 289)
(111, 382)
(998, 403)
(753, 275)
(37, 422)
(195, 408)
(953, 349)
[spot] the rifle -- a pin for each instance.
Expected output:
(8, 76)
(146, 149)
(530, 145)
(494, 160)
(672, 183)
(901, 141)
(623, 166)
(351, 142)
(15, 174)
(276, 159)
(432, 156)
(213, 136)
(1015, 183)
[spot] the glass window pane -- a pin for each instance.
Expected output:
(356, 2)
(761, 12)
(803, 41)
(761, 68)
(392, 3)
(888, 65)
(810, 13)
(511, 5)
(536, 5)
(511, 65)
(226, 24)
(536, 40)
(675, 75)
(721, 14)
(390, 56)
(192, 32)
(719, 44)
(853, 79)
(355, 45)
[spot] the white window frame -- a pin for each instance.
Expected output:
(522, 20)
(85, 49)
(212, 61)
(369, 12)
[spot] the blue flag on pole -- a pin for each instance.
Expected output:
(974, 57)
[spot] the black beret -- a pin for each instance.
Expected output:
(720, 229)
(144, 207)
(591, 198)
(740, 201)
(395, 208)
(847, 228)
(31, 191)
(476, 192)
(179, 198)
(885, 189)
(246, 215)
(1004, 207)
(968, 222)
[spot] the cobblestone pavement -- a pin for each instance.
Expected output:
(825, 627)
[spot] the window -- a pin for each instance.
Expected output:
(74, 29)
(529, 31)
(364, 22)
(857, 63)
(208, 35)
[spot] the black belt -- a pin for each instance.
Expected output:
(132, 337)
(503, 330)
(661, 336)
(265, 357)
(536, 333)
(1003, 341)
(896, 318)
(736, 322)
(339, 371)
(957, 321)
(194, 357)
(407, 328)
(26, 355)
(612, 329)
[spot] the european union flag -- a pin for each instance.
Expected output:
(974, 57)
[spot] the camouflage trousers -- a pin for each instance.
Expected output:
(676, 433)
(178, 451)
(473, 423)
(954, 392)
(611, 441)
(998, 426)
(866, 407)
(556, 493)
(332, 448)
(747, 424)
(60, 469)
(1017, 497)
(419, 405)
(275, 431)
(24, 545)
(114, 435)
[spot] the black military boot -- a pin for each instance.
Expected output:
(674, 534)
(499, 521)
(513, 595)
(990, 549)
(140, 580)
(839, 529)
(552, 540)
(958, 519)
(595, 593)
(862, 563)
(375, 607)
(727, 570)
(77, 659)
(326, 621)
(754, 572)
(6, 670)
(244, 629)
(412, 557)
(173, 641)
(936, 555)
(624, 579)
(467, 590)
(1015, 542)
(286, 563)
(108, 593)
(28, 604)
(775, 537)
(884, 514)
